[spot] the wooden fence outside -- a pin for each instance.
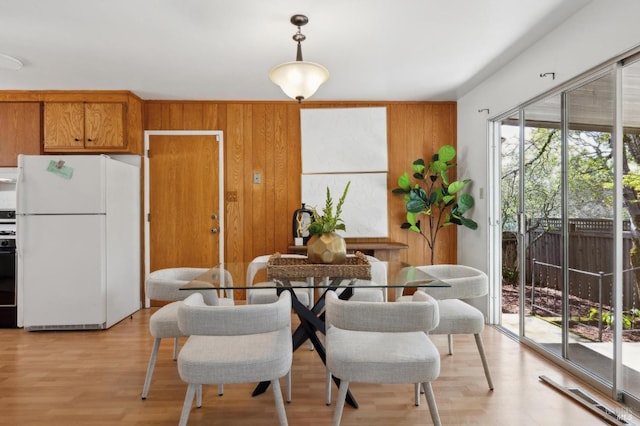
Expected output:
(590, 259)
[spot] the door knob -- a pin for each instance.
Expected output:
(214, 230)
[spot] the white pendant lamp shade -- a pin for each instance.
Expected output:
(299, 79)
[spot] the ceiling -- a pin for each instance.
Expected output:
(223, 50)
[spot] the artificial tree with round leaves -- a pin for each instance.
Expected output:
(431, 194)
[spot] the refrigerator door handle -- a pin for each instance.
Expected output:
(19, 209)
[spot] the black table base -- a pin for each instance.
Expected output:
(311, 321)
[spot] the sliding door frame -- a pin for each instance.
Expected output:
(615, 388)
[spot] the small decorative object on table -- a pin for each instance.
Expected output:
(325, 245)
(302, 218)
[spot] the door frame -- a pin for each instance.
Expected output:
(220, 138)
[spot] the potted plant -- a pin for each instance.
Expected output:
(325, 245)
(439, 200)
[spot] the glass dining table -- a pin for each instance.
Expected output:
(346, 278)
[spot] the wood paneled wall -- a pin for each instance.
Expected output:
(264, 137)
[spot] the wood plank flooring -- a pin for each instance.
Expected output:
(95, 378)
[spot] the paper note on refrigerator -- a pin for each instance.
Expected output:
(58, 168)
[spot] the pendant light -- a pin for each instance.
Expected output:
(299, 79)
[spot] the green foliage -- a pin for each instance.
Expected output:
(632, 180)
(589, 175)
(628, 317)
(510, 275)
(329, 221)
(433, 195)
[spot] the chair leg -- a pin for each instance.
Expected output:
(175, 348)
(151, 367)
(188, 400)
(277, 395)
(342, 396)
(450, 340)
(288, 377)
(220, 389)
(417, 394)
(199, 396)
(431, 401)
(483, 357)
(328, 388)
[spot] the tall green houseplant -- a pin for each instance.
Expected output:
(430, 193)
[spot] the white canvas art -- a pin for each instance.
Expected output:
(344, 140)
(365, 207)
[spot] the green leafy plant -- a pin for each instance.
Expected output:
(434, 196)
(329, 221)
(628, 317)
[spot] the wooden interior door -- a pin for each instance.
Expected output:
(184, 205)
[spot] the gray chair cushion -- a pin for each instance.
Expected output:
(243, 359)
(165, 284)
(378, 277)
(262, 295)
(164, 322)
(458, 317)
(372, 357)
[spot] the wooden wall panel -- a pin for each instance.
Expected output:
(259, 207)
(264, 137)
(234, 226)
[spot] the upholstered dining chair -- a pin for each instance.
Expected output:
(234, 344)
(259, 295)
(457, 316)
(378, 277)
(373, 342)
(164, 285)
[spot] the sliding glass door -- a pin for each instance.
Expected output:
(569, 210)
(589, 217)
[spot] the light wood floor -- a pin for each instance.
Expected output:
(95, 378)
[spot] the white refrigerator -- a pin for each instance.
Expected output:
(78, 241)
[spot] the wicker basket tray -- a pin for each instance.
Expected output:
(295, 268)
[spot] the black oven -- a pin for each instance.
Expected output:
(8, 283)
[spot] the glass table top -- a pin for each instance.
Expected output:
(399, 276)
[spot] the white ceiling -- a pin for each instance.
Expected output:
(224, 49)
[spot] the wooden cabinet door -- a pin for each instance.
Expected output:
(104, 125)
(19, 131)
(63, 125)
(79, 126)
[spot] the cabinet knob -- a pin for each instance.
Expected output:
(214, 230)
(76, 139)
(89, 140)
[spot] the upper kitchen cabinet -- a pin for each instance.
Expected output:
(19, 131)
(83, 126)
(82, 121)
